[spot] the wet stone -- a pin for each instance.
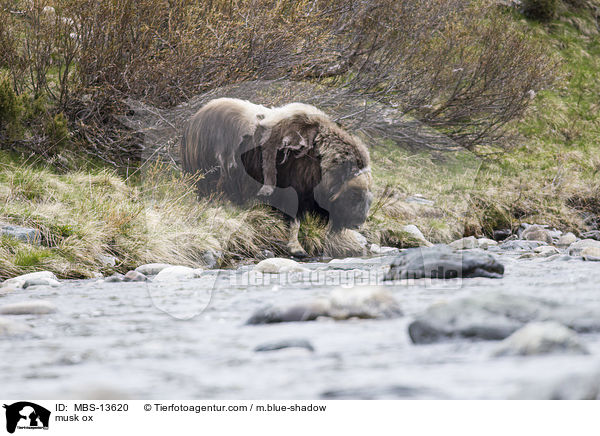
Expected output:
(134, 276)
(441, 261)
(495, 316)
(541, 338)
(364, 302)
(28, 308)
(151, 269)
(285, 343)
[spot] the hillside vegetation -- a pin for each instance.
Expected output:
(520, 94)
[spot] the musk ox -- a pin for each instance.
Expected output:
(293, 157)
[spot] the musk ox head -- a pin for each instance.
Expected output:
(345, 188)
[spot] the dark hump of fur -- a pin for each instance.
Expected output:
(233, 152)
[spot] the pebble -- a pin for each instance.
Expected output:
(276, 265)
(566, 240)
(134, 276)
(536, 233)
(465, 243)
(178, 272)
(285, 343)
(485, 243)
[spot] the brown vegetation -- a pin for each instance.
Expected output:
(464, 67)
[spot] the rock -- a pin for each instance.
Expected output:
(501, 235)
(267, 254)
(566, 240)
(376, 249)
(369, 302)
(134, 276)
(210, 258)
(114, 278)
(496, 315)
(541, 338)
(485, 243)
(416, 233)
(465, 243)
(520, 245)
(296, 313)
(593, 234)
(286, 343)
(151, 269)
(278, 265)
(25, 234)
(360, 239)
(8, 327)
(536, 233)
(591, 253)
(558, 257)
(546, 251)
(419, 199)
(365, 302)
(177, 272)
(45, 278)
(38, 307)
(107, 260)
(440, 261)
(576, 248)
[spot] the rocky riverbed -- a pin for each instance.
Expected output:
(338, 329)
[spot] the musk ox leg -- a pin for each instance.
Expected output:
(293, 245)
(269, 167)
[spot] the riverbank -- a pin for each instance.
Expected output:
(97, 221)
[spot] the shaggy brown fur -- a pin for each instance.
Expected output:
(294, 155)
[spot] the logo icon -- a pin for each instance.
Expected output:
(26, 415)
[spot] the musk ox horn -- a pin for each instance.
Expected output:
(363, 180)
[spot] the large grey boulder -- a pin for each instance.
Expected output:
(495, 316)
(440, 261)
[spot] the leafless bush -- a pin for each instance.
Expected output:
(462, 67)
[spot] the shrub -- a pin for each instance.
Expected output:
(542, 10)
(11, 110)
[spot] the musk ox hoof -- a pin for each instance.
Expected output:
(297, 251)
(266, 190)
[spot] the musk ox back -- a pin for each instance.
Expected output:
(293, 157)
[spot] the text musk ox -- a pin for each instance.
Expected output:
(294, 157)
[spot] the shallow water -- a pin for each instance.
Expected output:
(113, 339)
